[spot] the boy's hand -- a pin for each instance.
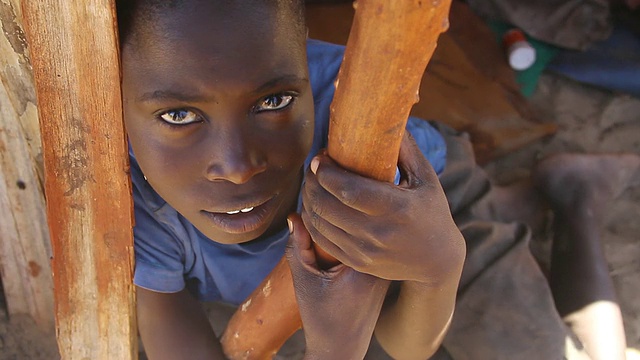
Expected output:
(402, 232)
(339, 307)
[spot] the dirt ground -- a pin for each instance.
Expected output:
(589, 120)
(592, 121)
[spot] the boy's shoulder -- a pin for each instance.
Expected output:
(323, 50)
(324, 61)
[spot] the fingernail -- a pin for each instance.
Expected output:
(290, 226)
(314, 165)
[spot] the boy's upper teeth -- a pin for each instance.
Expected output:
(245, 210)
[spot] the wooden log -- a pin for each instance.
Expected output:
(389, 46)
(388, 49)
(242, 338)
(74, 52)
(24, 243)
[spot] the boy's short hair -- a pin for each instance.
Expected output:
(133, 12)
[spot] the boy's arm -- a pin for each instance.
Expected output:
(413, 325)
(174, 326)
(339, 307)
(401, 232)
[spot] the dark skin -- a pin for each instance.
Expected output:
(219, 134)
(387, 231)
(222, 122)
(337, 285)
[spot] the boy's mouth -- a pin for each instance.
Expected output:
(245, 219)
(245, 210)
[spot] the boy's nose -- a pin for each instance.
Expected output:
(236, 161)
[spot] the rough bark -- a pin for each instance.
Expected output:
(74, 53)
(24, 243)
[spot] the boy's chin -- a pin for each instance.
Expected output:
(257, 235)
(231, 239)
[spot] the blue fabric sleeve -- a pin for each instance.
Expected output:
(430, 142)
(159, 254)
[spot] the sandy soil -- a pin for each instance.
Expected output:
(590, 120)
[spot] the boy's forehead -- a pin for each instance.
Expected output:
(197, 24)
(154, 15)
(206, 43)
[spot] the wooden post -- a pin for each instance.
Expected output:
(389, 46)
(74, 53)
(24, 237)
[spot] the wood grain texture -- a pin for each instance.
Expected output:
(75, 58)
(261, 325)
(389, 47)
(24, 243)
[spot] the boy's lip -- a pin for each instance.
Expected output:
(243, 222)
(242, 205)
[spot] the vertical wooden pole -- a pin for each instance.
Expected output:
(24, 237)
(389, 46)
(74, 53)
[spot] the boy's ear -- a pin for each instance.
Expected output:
(307, 34)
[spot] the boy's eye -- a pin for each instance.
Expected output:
(274, 102)
(179, 117)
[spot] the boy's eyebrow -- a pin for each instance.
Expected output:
(282, 80)
(164, 95)
(160, 95)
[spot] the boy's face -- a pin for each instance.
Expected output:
(219, 112)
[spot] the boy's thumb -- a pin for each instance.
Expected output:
(412, 162)
(300, 243)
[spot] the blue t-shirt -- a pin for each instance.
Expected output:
(172, 254)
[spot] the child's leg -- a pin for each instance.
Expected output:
(505, 309)
(579, 187)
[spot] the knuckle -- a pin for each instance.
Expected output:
(315, 220)
(318, 210)
(311, 223)
(396, 203)
(350, 195)
(310, 194)
(314, 217)
(315, 204)
(382, 232)
(363, 257)
(341, 186)
(362, 263)
(307, 221)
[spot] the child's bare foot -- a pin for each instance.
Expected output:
(579, 181)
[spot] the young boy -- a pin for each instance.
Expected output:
(219, 107)
(226, 110)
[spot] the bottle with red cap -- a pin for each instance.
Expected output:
(520, 53)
